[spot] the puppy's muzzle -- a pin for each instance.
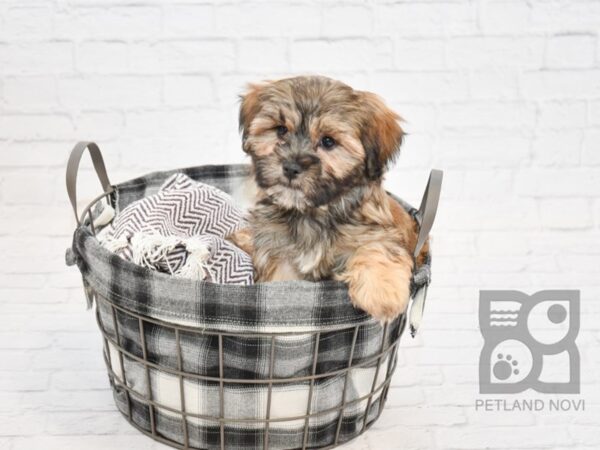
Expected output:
(292, 167)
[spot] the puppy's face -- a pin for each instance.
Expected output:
(312, 139)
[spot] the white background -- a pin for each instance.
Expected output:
(504, 96)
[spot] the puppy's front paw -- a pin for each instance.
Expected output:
(379, 286)
(384, 299)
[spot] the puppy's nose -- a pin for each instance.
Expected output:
(291, 169)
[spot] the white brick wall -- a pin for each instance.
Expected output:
(503, 95)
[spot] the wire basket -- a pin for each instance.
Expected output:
(197, 365)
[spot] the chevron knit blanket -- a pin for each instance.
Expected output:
(180, 230)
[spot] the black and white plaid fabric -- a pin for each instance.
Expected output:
(312, 316)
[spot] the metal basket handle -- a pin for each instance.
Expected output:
(425, 217)
(71, 179)
(428, 208)
(73, 168)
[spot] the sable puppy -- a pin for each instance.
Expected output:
(319, 150)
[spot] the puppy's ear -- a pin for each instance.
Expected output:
(249, 108)
(381, 135)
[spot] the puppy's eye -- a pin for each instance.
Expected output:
(281, 130)
(327, 142)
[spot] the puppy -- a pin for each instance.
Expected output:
(319, 150)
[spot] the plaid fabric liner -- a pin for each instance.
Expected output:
(320, 315)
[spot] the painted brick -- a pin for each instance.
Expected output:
(418, 19)
(36, 58)
(494, 84)
(27, 22)
(36, 126)
(481, 149)
(565, 16)
(23, 381)
(30, 93)
(344, 55)
(552, 213)
(505, 17)
(472, 52)
(259, 19)
(102, 57)
(591, 147)
(420, 54)
(145, 58)
(503, 437)
(487, 183)
(595, 112)
(188, 90)
(108, 22)
(197, 56)
(427, 86)
(557, 148)
(560, 54)
(99, 92)
(563, 115)
(558, 182)
(488, 114)
(22, 424)
(102, 125)
(561, 84)
(249, 49)
(343, 20)
(17, 190)
(91, 442)
(188, 20)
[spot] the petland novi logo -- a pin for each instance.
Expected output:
(529, 343)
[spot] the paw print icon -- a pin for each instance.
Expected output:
(529, 342)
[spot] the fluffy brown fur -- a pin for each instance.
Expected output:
(319, 150)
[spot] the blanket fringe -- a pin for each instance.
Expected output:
(113, 244)
(196, 266)
(148, 250)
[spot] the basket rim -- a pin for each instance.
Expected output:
(242, 170)
(99, 267)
